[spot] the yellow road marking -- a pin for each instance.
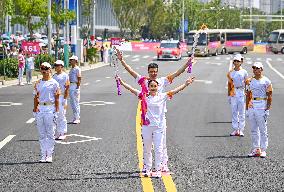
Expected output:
(146, 181)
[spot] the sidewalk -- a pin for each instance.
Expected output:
(86, 67)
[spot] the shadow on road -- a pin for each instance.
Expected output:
(111, 175)
(229, 157)
(22, 163)
(26, 140)
(212, 136)
(220, 122)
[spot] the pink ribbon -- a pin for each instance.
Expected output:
(142, 96)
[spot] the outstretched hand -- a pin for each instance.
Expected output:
(118, 54)
(189, 80)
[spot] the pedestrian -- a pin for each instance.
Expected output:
(163, 82)
(153, 132)
(21, 67)
(13, 52)
(237, 78)
(46, 107)
(30, 67)
(106, 54)
(63, 79)
(110, 52)
(102, 49)
(75, 82)
(258, 104)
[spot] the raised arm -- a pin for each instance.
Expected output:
(125, 65)
(181, 87)
(180, 70)
(128, 87)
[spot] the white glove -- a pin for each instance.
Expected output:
(229, 100)
(64, 102)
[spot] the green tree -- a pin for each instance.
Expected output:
(6, 9)
(87, 12)
(26, 10)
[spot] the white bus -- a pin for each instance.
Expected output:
(222, 41)
(236, 40)
(276, 41)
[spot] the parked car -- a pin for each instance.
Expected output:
(169, 50)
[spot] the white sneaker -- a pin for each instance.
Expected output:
(49, 159)
(42, 159)
(235, 133)
(165, 168)
(263, 154)
(158, 174)
(241, 134)
(146, 173)
(62, 137)
(255, 153)
(77, 121)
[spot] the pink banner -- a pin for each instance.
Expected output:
(115, 41)
(31, 47)
(239, 43)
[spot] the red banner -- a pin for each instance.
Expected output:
(115, 41)
(31, 47)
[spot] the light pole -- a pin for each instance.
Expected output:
(281, 12)
(49, 26)
(182, 34)
(250, 12)
(94, 19)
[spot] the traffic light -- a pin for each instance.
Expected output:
(105, 33)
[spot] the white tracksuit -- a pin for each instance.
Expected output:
(74, 92)
(238, 98)
(154, 132)
(257, 114)
(45, 119)
(163, 82)
(63, 80)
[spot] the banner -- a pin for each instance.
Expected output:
(115, 41)
(30, 47)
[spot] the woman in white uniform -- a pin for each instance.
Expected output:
(259, 99)
(154, 131)
(236, 95)
(63, 79)
(46, 108)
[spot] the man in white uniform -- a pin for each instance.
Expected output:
(236, 95)
(46, 107)
(258, 104)
(63, 79)
(163, 82)
(75, 82)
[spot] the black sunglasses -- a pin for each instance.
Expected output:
(236, 61)
(256, 67)
(44, 68)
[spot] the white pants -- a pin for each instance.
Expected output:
(74, 101)
(165, 157)
(152, 134)
(238, 112)
(46, 128)
(21, 74)
(258, 123)
(61, 121)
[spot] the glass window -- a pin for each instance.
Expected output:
(273, 37)
(239, 36)
(169, 45)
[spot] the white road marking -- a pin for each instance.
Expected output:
(227, 58)
(97, 80)
(249, 62)
(135, 56)
(31, 120)
(86, 139)
(217, 58)
(124, 72)
(146, 56)
(258, 59)
(204, 81)
(108, 77)
(137, 59)
(279, 59)
(8, 104)
(97, 103)
(209, 63)
(6, 140)
(125, 56)
(86, 83)
(275, 70)
(247, 58)
(4, 86)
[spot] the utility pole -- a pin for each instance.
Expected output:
(49, 26)
(94, 19)
(281, 12)
(182, 28)
(250, 12)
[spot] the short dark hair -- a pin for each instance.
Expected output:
(153, 65)
(151, 80)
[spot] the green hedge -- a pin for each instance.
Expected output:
(11, 67)
(92, 54)
(43, 58)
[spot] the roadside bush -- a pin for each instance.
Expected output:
(11, 67)
(92, 54)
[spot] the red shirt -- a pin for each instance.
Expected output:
(21, 60)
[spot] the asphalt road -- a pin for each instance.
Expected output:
(102, 153)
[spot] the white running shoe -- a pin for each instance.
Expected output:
(42, 159)
(77, 121)
(255, 153)
(62, 137)
(146, 173)
(242, 134)
(263, 154)
(158, 174)
(235, 133)
(49, 159)
(165, 168)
